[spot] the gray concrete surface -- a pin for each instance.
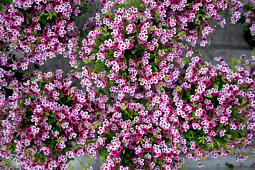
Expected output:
(227, 42)
(220, 163)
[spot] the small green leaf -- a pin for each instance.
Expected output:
(122, 106)
(194, 104)
(231, 166)
(229, 136)
(8, 2)
(51, 146)
(188, 93)
(232, 149)
(238, 61)
(245, 153)
(216, 87)
(15, 42)
(245, 28)
(59, 139)
(98, 123)
(44, 21)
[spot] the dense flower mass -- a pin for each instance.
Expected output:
(128, 100)
(40, 29)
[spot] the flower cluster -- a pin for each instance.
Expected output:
(248, 16)
(222, 112)
(42, 115)
(40, 29)
(134, 106)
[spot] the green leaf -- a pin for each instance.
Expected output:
(233, 59)
(244, 101)
(122, 106)
(229, 136)
(59, 139)
(8, 2)
(15, 42)
(188, 93)
(51, 146)
(49, 17)
(51, 120)
(194, 104)
(238, 61)
(234, 134)
(202, 140)
(220, 126)
(211, 145)
(245, 28)
(70, 167)
(231, 166)
(44, 21)
(253, 37)
(245, 153)
(232, 149)
(216, 87)
(98, 123)
(84, 8)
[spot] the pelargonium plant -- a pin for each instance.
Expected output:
(133, 106)
(45, 113)
(40, 29)
(247, 18)
(41, 116)
(217, 103)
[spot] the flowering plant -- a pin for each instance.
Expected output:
(41, 118)
(220, 105)
(247, 19)
(40, 29)
(135, 107)
(139, 43)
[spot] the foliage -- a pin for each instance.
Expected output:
(133, 105)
